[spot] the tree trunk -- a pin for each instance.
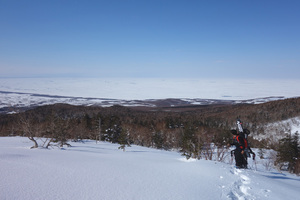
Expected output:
(34, 141)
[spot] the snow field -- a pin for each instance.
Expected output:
(102, 171)
(154, 88)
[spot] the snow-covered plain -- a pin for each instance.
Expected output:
(150, 88)
(21, 92)
(102, 171)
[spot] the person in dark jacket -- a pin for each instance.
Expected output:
(239, 153)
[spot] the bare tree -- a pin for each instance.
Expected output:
(98, 136)
(31, 127)
(222, 153)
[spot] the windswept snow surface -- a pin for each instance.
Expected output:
(102, 171)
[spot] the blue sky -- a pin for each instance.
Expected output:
(150, 38)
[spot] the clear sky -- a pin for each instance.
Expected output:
(150, 38)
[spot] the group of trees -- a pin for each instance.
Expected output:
(288, 153)
(195, 131)
(159, 129)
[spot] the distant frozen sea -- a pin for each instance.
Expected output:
(149, 88)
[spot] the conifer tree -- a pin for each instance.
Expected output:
(288, 153)
(123, 139)
(189, 144)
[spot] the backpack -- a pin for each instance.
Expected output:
(242, 134)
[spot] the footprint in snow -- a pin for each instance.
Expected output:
(240, 187)
(245, 179)
(266, 191)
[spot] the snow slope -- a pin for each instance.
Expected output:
(102, 171)
(278, 130)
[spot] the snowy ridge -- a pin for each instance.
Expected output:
(13, 101)
(102, 171)
(278, 130)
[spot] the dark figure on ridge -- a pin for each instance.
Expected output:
(242, 150)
